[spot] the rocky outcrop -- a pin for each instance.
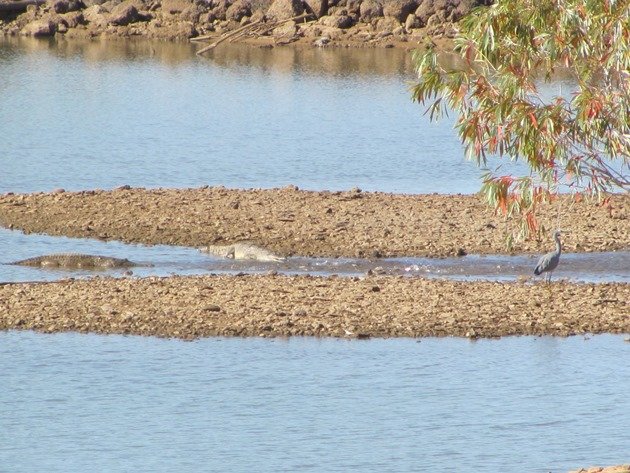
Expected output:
(325, 21)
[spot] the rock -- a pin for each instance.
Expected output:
(288, 30)
(238, 10)
(173, 7)
(321, 42)
(341, 21)
(96, 15)
(462, 8)
(91, 3)
(219, 9)
(399, 9)
(387, 25)
(437, 19)
(424, 11)
(181, 29)
(451, 10)
(285, 9)
(411, 22)
(370, 9)
(192, 14)
(123, 14)
(73, 19)
(39, 28)
(65, 6)
(318, 8)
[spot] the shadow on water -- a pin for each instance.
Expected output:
(164, 260)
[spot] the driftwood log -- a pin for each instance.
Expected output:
(250, 28)
(18, 6)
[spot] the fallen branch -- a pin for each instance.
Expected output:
(240, 31)
(228, 36)
(278, 23)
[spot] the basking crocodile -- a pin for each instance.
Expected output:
(241, 250)
(76, 260)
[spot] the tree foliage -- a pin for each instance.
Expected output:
(504, 53)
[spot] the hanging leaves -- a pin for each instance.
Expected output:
(581, 144)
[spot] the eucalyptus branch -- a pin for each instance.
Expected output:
(578, 143)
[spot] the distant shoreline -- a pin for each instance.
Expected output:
(265, 23)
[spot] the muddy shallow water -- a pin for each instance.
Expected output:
(165, 260)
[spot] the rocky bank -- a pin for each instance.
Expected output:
(387, 23)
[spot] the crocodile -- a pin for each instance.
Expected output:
(241, 250)
(76, 260)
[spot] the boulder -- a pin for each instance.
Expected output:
(73, 19)
(173, 7)
(91, 3)
(181, 29)
(411, 22)
(337, 21)
(317, 7)
(437, 19)
(39, 28)
(64, 6)
(288, 30)
(399, 9)
(451, 10)
(238, 10)
(387, 25)
(285, 9)
(192, 14)
(124, 14)
(219, 9)
(462, 9)
(95, 15)
(370, 9)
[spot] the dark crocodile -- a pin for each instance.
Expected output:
(76, 260)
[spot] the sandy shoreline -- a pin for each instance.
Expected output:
(275, 305)
(293, 222)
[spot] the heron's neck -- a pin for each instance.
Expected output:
(558, 245)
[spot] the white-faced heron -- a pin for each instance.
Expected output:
(548, 262)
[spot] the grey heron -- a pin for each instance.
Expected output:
(548, 262)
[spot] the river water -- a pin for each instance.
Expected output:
(83, 115)
(77, 403)
(99, 115)
(164, 260)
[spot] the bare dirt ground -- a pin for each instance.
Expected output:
(293, 222)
